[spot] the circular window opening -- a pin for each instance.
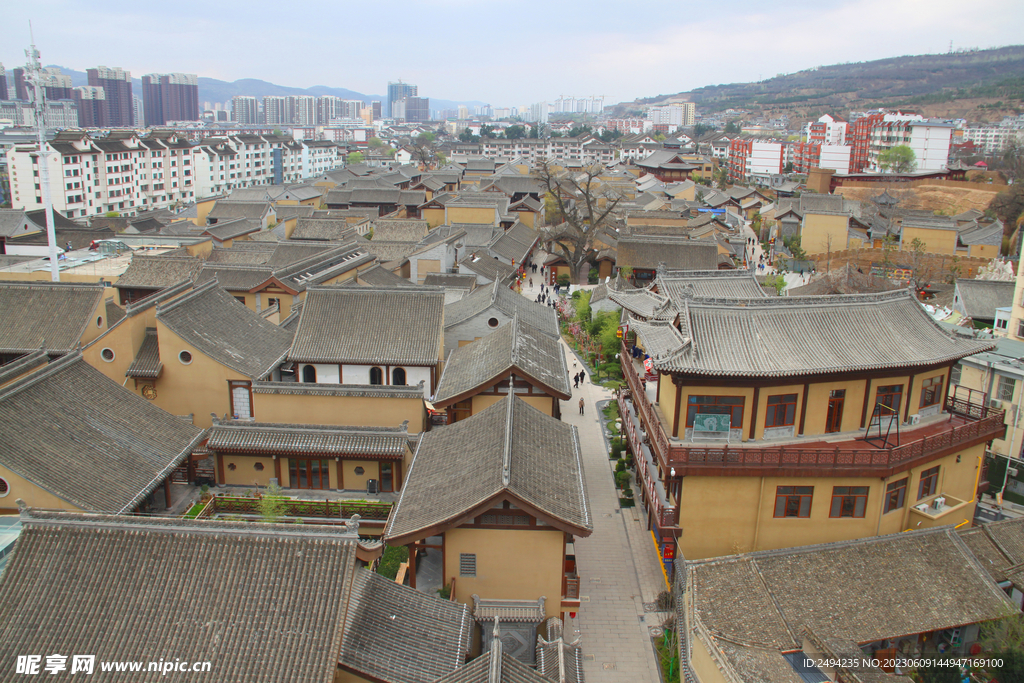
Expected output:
(232, 466)
(5, 488)
(493, 322)
(107, 355)
(258, 466)
(359, 470)
(99, 322)
(185, 357)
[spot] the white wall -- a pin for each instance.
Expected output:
(325, 374)
(931, 146)
(835, 157)
(765, 157)
(360, 374)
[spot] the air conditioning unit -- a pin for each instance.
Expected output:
(939, 502)
(915, 419)
(923, 507)
(1012, 471)
(995, 404)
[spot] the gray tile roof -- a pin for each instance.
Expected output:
(679, 254)
(516, 345)
(990, 234)
(400, 230)
(15, 222)
(234, 277)
(379, 275)
(239, 436)
(495, 666)
(498, 296)
(225, 208)
(147, 363)
(390, 325)
(981, 298)
(860, 591)
(450, 280)
(231, 228)
(46, 314)
(391, 251)
(708, 283)
(216, 324)
(123, 588)
(287, 212)
(515, 244)
(789, 336)
(322, 229)
(488, 267)
(509, 448)
(114, 312)
(158, 272)
(397, 633)
(559, 660)
(644, 303)
(75, 433)
(412, 391)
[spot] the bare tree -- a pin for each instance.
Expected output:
(577, 203)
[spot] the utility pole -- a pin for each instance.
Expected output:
(35, 76)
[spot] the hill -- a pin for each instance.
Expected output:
(214, 90)
(978, 85)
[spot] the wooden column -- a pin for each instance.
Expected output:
(910, 396)
(753, 413)
(167, 491)
(341, 473)
(277, 470)
(220, 469)
(803, 408)
(679, 398)
(412, 565)
(867, 400)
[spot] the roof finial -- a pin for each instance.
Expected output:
(494, 671)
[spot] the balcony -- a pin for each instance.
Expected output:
(938, 510)
(964, 424)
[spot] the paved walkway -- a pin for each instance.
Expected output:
(618, 563)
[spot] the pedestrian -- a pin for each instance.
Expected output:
(574, 363)
(583, 376)
(576, 381)
(581, 405)
(531, 283)
(68, 247)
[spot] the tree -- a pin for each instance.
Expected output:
(272, 504)
(355, 157)
(700, 129)
(922, 274)
(467, 136)
(375, 143)
(732, 128)
(788, 168)
(441, 158)
(1008, 205)
(576, 203)
(487, 131)
(660, 137)
(776, 282)
(610, 135)
(112, 214)
(898, 159)
(535, 131)
(515, 132)
(426, 138)
(579, 130)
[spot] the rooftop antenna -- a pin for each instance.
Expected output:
(35, 76)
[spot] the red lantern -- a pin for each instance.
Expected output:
(572, 615)
(670, 552)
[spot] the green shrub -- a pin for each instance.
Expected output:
(563, 280)
(622, 479)
(393, 556)
(627, 502)
(620, 465)
(616, 452)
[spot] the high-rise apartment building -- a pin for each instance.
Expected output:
(275, 110)
(170, 97)
(91, 101)
(139, 111)
(376, 107)
(303, 110)
(19, 88)
(327, 107)
(56, 86)
(245, 110)
(117, 87)
(397, 92)
(3, 83)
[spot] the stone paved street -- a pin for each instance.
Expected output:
(618, 564)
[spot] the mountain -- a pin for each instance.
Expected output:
(976, 84)
(212, 90)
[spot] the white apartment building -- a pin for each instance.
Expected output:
(928, 139)
(59, 114)
(245, 110)
(585, 149)
(90, 177)
(238, 161)
(992, 140)
(679, 114)
(275, 110)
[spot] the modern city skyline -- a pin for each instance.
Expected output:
(597, 54)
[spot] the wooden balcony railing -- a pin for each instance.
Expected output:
(338, 509)
(984, 423)
(667, 515)
(571, 587)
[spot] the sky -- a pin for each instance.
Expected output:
(505, 54)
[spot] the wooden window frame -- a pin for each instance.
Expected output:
(382, 376)
(889, 391)
(931, 391)
(787, 405)
(896, 495)
(848, 501)
(394, 377)
(930, 480)
(784, 501)
(693, 408)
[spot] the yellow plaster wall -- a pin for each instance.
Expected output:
(33, 495)
(371, 470)
(339, 410)
(741, 510)
(935, 241)
(433, 217)
(667, 401)
(511, 564)
(817, 228)
(245, 473)
(426, 265)
(471, 214)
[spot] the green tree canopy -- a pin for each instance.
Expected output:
(427, 137)
(733, 128)
(898, 159)
(467, 136)
(579, 130)
(487, 131)
(375, 143)
(355, 157)
(515, 132)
